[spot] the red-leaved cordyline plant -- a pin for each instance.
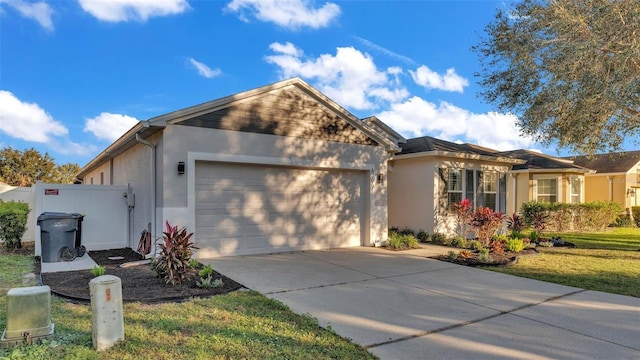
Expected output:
(485, 222)
(464, 213)
(175, 252)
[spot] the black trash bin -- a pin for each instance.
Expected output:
(60, 236)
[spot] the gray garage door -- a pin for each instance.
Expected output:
(251, 209)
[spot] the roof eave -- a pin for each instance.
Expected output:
(459, 155)
(123, 143)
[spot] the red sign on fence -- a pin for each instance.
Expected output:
(51, 191)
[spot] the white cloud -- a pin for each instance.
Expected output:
(430, 79)
(38, 11)
(109, 126)
(27, 121)
(291, 14)
(203, 69)
(125, 10)
(348, 77)
(418, 117)
(286, 49)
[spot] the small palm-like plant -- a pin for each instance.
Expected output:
(176, 250)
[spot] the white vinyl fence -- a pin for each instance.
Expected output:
(105, 222)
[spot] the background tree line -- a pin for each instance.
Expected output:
(24, 168)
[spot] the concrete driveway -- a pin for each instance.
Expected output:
(402, 305)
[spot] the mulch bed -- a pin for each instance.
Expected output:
(506, 259)
(139, 283)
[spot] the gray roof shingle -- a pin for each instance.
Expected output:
(620, 162)
(539, 161)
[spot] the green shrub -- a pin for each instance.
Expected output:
(534, 236)
(591, 216)
(175, 254)
(206, 271)
(13, 223)
(438, 238)
(517, 234)
(209, 283)
(407, 231)
(422, 236)
(635, 211)
(194, 263)
(483, 250)
(514, 245)
(98, 271)
(622, 222)
(452, 255)
(476, 245)
(459, 242)
(485, 258)
(402, 242)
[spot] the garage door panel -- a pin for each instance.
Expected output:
(248, 209)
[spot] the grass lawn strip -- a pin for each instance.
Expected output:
(240, 325)
(607, 261)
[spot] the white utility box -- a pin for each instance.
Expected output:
(107, 325)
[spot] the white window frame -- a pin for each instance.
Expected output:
(461, 181)
(464, 185)
(537, 194)
(572, 193)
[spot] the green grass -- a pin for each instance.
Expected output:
(607, 261)
(240, 325)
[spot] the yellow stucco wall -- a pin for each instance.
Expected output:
(524, 183)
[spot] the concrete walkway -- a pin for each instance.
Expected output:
(402, 305)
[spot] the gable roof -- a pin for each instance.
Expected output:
(536, 161)
(385, 129)
(620, 162)
(430, 146)
(341, 120)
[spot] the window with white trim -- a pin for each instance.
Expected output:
(482, 188)
(547, 190)
(454, 187)
(489, 189)
(575, 189)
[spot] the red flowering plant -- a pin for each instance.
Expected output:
(464, 213)
(486, 222)
(176, 249)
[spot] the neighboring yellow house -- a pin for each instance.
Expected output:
(544, 178)
(616, 177)
(430, 175)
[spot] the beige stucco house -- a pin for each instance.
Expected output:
(429, 175)
(616, 177)
(277, 168)
(544, 178)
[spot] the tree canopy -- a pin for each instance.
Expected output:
(24, 168)
(569, 69)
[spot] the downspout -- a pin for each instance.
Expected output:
(610, 178)
(153, 185)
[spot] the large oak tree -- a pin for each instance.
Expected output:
(569, 69)
(24, 168)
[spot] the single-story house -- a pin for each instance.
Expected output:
(277, 168)
(544, 178)
(429, 175)
(616, 177)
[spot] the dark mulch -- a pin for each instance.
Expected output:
(506, 259)
(139, 283)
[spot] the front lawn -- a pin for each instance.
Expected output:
(607, 261)
(240, 325)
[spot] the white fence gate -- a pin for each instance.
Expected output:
(105, 224)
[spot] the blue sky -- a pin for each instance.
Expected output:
(75, 75)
